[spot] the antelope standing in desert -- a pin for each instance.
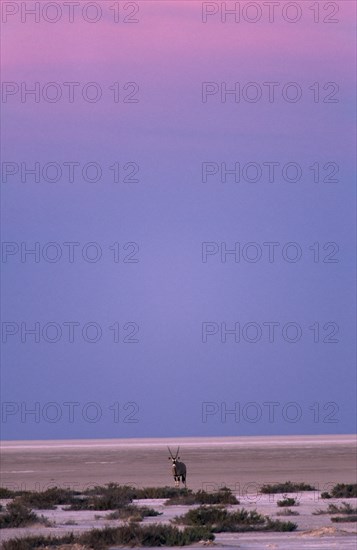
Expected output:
(178, 468)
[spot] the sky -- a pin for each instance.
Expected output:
(184, 177)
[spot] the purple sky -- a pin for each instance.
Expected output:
(180, 377)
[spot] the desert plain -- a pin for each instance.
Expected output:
(242, 464)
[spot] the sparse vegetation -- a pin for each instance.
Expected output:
(110, 497)
(132, 493)
(287, 501)
(47, 500)
(223, 496)
(29, 543)
(149, 535)
(159, 492)
(221, 520)
(319, 512)
(344, 519)
(133, 513)
(286, 487)
(17, 515)
(102, 490)
(130, 535)
(341, 490)
(114, 496)
(287, 512)
(220, 516)
(280, 526)
(345, 508)
(175, 495)
(8, 493)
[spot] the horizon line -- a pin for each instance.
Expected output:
(161, 441)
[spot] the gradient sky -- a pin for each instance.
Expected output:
(169, 212)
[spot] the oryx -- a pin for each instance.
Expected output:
(178, 468)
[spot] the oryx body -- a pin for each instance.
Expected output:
(178, 468)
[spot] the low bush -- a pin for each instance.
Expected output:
(223, 496)
(219, 516)
(344, 519)
(173, 494)
(129, 492)
(110, 497)
(345, 508)
(130, 535)
(342, 490)
(319, 512)
(17, 515)
(286, 487)
(29, 543)
(221, 520)
(133, 513)
(287, 501)
(281, 526)
(47, 500)
(102, 490)
(287, 512)
(8, 493)
(149, 535)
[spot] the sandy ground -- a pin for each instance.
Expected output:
(243, 464)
